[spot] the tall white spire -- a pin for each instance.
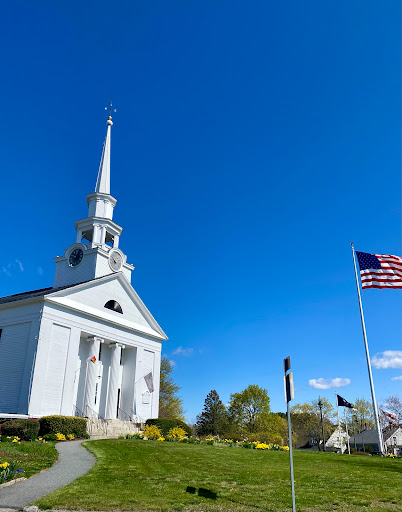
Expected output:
(103, 181)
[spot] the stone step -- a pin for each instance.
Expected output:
(107, 429)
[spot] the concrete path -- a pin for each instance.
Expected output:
(73, 461)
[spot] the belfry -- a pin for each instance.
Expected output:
(88, 345)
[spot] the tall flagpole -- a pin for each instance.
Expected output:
(377, 424)
(346, 428)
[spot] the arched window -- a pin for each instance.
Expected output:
(114, 306)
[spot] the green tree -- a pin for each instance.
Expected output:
(394, 404)
(275, 424)
(214, 418)
(248, 410)
(361, 417)
(170, 404)
(306, 421)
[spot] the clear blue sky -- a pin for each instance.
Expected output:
(253, 141)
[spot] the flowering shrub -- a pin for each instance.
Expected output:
(8, 470)
(60, 437)
(152, 432)
(71, 436)
(176, 434)
(160, 439)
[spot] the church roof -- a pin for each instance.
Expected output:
(39, 293)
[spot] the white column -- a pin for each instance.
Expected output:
(79, 236)
(96, 235)
(138, 382)
(114, 381)
(103, 235)
(116, 241)
(91, 376)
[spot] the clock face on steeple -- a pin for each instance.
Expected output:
(75, 257)
(115, 261)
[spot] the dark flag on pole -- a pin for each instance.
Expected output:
(343, 403)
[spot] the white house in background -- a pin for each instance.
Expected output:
(48, 336)
(333, 443)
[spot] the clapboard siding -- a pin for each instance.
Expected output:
(13, 349)
(55, 370)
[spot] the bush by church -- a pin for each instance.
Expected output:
(165, 425)
(64, 425)
(25, 429)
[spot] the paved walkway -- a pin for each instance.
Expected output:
(73, 461)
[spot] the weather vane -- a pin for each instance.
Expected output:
(111, 109)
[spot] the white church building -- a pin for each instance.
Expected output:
(88, 345)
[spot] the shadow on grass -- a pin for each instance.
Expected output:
(206, 493)
(203, 493)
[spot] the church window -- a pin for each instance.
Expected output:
(114, 306)
(1, 330)
(100, 352)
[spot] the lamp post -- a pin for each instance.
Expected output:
(320, 404)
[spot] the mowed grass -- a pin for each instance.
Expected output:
(155, 476)
(30, 456)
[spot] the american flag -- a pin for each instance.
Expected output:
(380, 270)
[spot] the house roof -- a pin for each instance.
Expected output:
(369, 436)
(41, 292)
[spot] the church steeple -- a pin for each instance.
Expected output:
(100, 202)
(103, 181)
(96, 250)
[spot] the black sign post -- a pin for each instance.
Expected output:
(289, 395)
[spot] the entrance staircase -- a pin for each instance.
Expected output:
(101, 428)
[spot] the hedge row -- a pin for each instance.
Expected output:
(26, 430)
(29, 430)
(165, 425)
(63, 425)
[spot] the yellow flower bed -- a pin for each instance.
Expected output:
(262, 446)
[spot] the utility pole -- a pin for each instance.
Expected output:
(320, 404)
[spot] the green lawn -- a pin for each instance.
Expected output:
(155, 476)
(30, 456)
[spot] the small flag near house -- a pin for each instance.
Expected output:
(93, 359)
(149, 381)
(391, 416)
(343, 403)
(380, 270)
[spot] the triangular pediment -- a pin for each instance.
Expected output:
(90, 298)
